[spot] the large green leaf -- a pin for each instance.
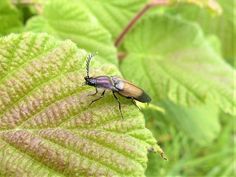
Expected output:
(69, 20)
(10, 19)
(113, 15)
(199, 122)
(171, 59)
(224, 25)
(46, 125)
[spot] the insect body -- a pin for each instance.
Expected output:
(116, 85)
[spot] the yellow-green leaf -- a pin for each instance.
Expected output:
(10, 18)
(69, 20)
(47, 127)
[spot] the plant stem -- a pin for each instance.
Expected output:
(135, 19)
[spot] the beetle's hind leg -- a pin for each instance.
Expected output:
(118, 104)
(135, 103)
(101, 96)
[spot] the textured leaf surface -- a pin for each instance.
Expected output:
(186, 70)
(113, 15)
(73, 22)
(46, 126)
(10, 20)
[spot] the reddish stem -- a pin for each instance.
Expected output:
(131, 24)
(151, 4)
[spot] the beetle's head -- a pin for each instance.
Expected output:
(90, 81)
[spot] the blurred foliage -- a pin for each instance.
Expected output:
(186, 157)
(182, 54)
(223, 26)
(10, 18)
(196, 122)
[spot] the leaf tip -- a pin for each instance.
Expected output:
(158, 149)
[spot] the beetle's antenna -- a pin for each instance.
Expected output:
(89, 58)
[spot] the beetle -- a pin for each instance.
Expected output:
(116, 85)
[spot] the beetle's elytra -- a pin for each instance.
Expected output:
(116, 85)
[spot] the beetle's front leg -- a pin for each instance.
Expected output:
(98, 98)
(93, 94)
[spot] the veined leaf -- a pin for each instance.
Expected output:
(209, 4)
(10, 20)
(113, 15)
(223, 26)
(69, 20)
(46, 125)
(172, 59)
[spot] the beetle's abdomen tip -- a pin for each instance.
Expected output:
(144, 98)
(148, 100)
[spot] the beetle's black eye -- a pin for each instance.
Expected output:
(90, 81)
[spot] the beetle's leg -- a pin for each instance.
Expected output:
(94, 93)
(118, 103)
(135, 104)
(98, 98)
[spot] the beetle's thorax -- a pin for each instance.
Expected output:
(118, 83)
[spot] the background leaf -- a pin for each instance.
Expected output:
(223, 26)
(10, 18)
(186, 70)
(187, 158)
(46, 126)
(199, 122)
(116, 12)
(73, 22)
(208, 4)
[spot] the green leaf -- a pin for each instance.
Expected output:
(215, 43)
(9, 17)
(47, 127)
(199, 123)
(113, 15)
(208, 4)
(73, 22)
(223, 26)
(170, 58)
